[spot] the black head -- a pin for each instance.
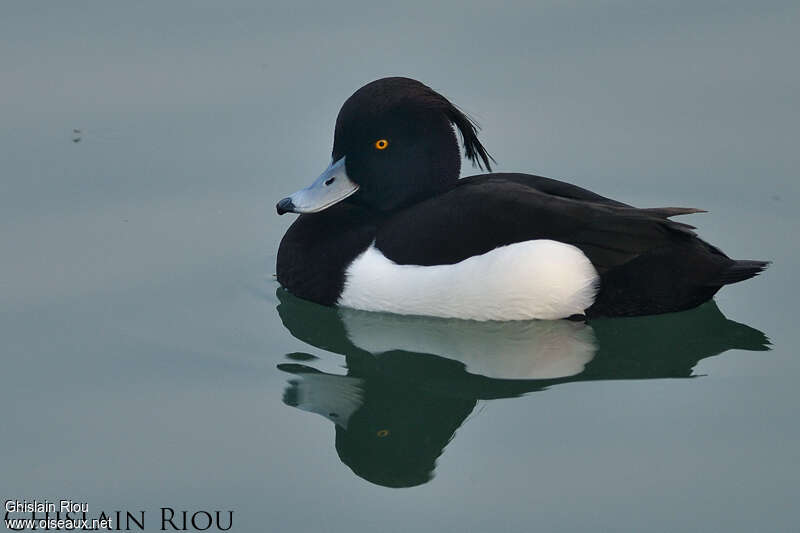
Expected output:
(394, 144)
(398, 138)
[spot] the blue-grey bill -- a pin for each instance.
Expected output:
(331, 187)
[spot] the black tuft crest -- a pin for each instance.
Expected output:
(468, 128)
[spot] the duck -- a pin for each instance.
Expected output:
(389, 226)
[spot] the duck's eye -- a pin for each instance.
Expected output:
(381, 144)
(382, 433)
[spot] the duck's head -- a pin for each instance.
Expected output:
(394, 145)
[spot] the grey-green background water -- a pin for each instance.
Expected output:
(140, 332)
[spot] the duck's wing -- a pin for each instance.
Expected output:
(549, 186)
(495, 210)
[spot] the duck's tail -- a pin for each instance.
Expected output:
(740, 271)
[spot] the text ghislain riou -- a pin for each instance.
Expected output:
(46, 506)
(171, 519)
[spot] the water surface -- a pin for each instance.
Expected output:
(150, 359)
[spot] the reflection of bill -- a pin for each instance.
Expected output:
(411, 381)
(388, 432)
(333, 396)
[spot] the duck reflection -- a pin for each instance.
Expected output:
(411, 381)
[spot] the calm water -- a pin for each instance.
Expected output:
(150, 360)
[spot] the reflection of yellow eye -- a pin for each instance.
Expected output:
(383, 432)
(381, 144)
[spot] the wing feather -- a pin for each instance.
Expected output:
(493, 210)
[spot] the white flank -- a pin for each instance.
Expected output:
(533, 279)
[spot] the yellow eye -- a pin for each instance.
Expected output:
(383, 433)
(381, 144)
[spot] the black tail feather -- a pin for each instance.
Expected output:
(740, 271)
